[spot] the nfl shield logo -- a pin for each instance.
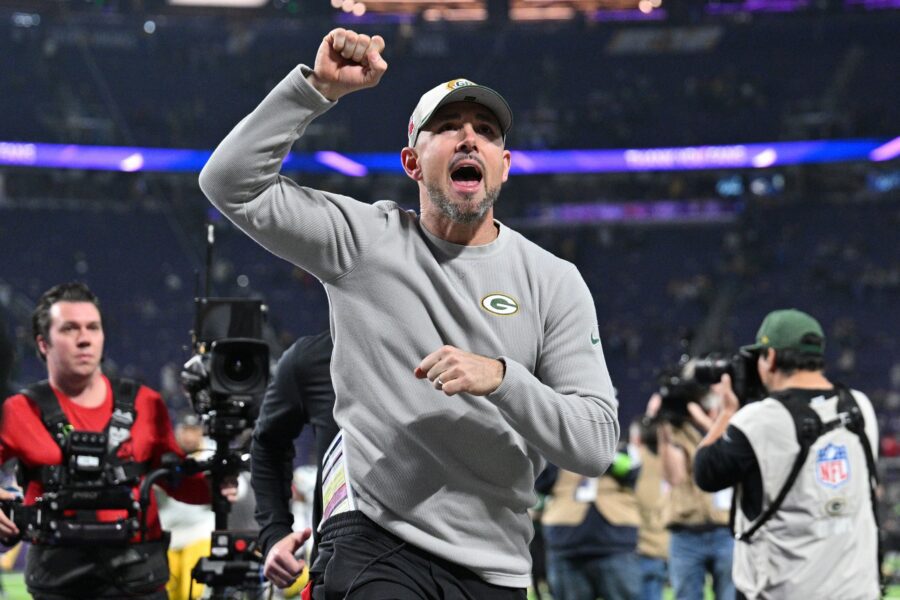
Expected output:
(832, 466)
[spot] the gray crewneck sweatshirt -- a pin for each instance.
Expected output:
(451, 475)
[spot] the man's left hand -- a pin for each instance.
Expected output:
(455, 371)
(229, 488)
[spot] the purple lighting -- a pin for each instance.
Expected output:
(687, 158)
(756, 6)
(887, 151)
(524, 162)
(341, 163)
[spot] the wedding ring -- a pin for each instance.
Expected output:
(440, 383)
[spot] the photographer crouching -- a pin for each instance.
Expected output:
(84, 444)
(803, 465)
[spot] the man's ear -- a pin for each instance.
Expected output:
(42, 346)
(507, 163)
(410, 160)
(769, 356)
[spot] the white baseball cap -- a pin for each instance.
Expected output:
(458, 90)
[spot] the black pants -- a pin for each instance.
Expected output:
(361, 561)
(134, 571)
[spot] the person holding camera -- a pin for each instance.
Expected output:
(465, 356)
(699, 540)
(85, 442)
(803, 463)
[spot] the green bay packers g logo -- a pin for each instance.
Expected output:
(500, 304)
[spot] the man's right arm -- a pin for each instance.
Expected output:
(315, 230)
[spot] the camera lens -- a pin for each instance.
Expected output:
(238, 368)
(710, 370)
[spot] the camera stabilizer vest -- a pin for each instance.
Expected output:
(117, 431)
(91, 477)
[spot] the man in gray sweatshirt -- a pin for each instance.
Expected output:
(464, 355)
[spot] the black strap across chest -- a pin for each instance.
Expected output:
(117, 429)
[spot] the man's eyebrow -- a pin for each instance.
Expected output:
(445, 117)
(489, 118)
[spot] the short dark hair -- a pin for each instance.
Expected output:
(790, 361)
(73, 291)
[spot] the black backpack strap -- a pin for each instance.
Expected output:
(808, 427)
(857, 424)
(119, 429)
(122, 418)
(51, 412)
(57, 425)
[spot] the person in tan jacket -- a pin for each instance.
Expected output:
(652, 493)
(590, 527)
(700, 540)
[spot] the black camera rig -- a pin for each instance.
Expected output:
(226, 378)
(72, 491)
(690, 379)
(741, 367)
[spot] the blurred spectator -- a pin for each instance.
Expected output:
(700, 540)
(590, 527)
(189, 524)
(651, 492)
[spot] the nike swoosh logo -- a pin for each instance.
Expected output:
(594, 340)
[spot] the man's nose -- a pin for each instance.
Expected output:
(468, 138)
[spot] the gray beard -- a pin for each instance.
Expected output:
(457, 213)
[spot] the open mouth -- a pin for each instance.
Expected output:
(467, 176)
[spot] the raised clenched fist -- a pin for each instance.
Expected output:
(347, 61)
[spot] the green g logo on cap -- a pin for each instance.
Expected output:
(500, 304)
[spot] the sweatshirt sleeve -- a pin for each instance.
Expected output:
(321, 232)
(567, 409)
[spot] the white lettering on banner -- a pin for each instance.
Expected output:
(687, 157)
(24, 154)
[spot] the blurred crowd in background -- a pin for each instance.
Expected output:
(820, 238)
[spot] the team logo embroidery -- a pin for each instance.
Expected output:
(412, 125)
(836, 506)
(500, 304)
(832, 466)
(458, 83)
